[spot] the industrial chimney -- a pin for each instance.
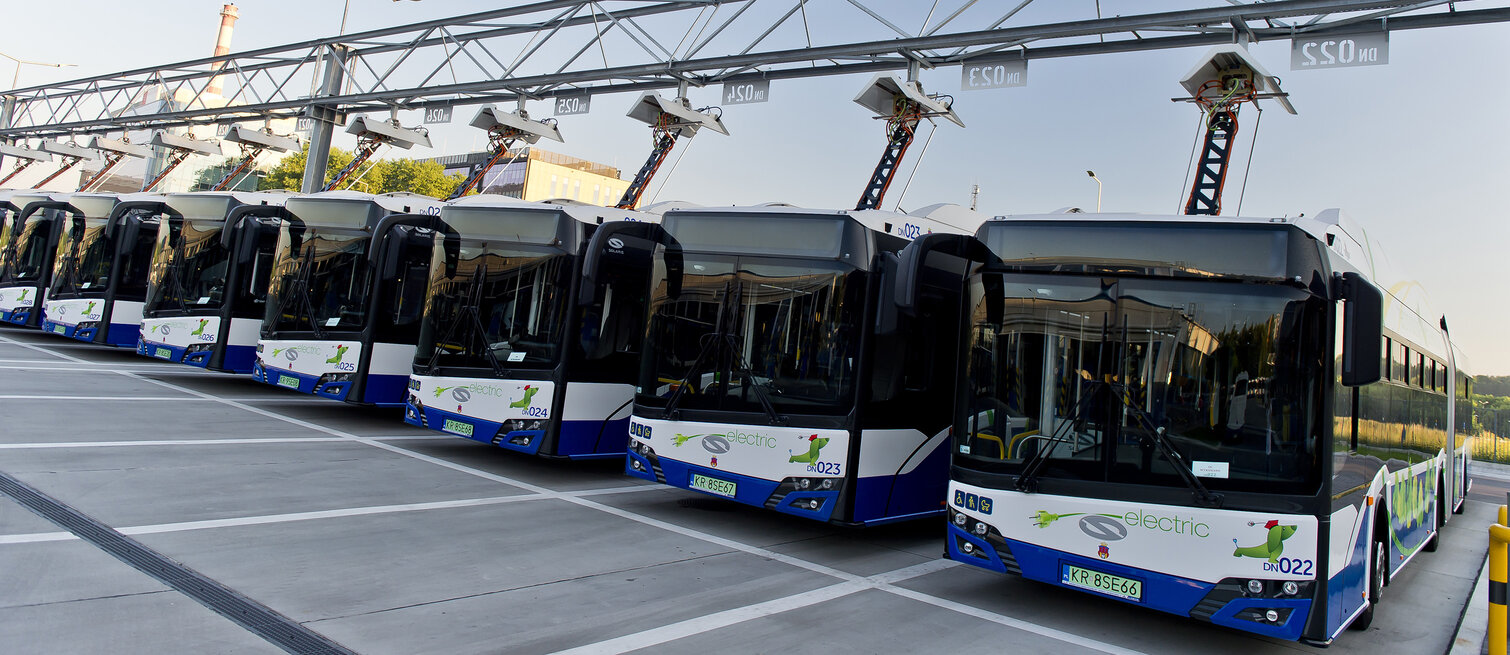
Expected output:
(223, 43)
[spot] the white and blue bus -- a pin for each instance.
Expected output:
(346, 294)
(803, 360)
(506, 355)
(207, 292)
(99, 280)
(35, 225)
(1229, 419)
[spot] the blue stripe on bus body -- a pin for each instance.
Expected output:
(593, 438)
(121, 335)
(1163, 592)
(382, 390)
(238, 359)
(921, 492)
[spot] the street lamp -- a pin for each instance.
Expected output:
(17, 77)
(1098, 189)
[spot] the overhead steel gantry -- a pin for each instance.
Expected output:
(557, 47)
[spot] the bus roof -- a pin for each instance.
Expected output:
(945, 218)
(581, 212)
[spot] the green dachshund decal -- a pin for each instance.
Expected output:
(89, 308)
(529, 392)
(1271, 548)
(815, 444)
(200, 330)
(340, 352)
(22, 297)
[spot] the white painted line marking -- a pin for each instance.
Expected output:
(714, 621)
(166, 442)
(253, 399)
(726, 618)
(40, 349)
(37, 537)
(266, 519)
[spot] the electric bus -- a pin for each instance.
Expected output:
(26, 263)
(506, 355)
(346, 293)
(1243, 421)
(99, 279)
(206, 296)
(803, 360)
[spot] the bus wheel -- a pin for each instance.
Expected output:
(1376, 582)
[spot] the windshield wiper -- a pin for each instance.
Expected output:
(299, 288)
(1028, 480)
(709, 347)
(471, 309)
(1156, 438)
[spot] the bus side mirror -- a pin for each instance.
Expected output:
(451, 245)
(627, 243)
(995, 290)
(914, 257)
(1363, 330)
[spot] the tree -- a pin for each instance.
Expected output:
(427, 178)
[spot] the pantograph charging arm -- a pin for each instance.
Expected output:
(248, 157)
(111, 159)
(901, 127)
(69, 164)
(21, 165)
(1220, 100)
(178, 157)
(367, 145)
(665, 139)
(502, 140)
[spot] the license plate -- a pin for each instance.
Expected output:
(457, 427)
(1105, 583)
(60, 329)
(163, 353)
(288, 381)
(713, 485)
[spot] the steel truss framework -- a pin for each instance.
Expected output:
(555, 47)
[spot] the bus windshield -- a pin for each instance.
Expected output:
(321, 284)
(189, 267)
(504, 307)
(29, 252)
(1098, 379)
(83, 263)
(751, 333)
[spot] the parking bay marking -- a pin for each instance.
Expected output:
(672, 527)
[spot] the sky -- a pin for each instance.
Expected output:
(1415, 150)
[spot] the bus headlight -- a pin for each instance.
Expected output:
(960, 519)
(1255, 587)
(1272, 616)
(1291, 588)
(980, 529)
